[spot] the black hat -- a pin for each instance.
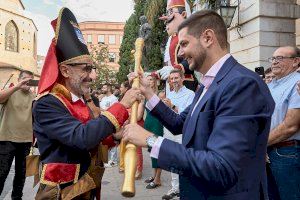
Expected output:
(70, 43)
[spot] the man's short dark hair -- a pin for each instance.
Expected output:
(22, 72)
(126, 84)
(109, 86)
(198, 22)
(174, 71)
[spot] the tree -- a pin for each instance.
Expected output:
(153, 10)
(131, 28)
(99, 53)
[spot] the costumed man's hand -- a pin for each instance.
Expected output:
(165, 72)
(130, 97)
(135, 134)
(118, 135)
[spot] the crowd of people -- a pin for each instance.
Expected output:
(232, 134)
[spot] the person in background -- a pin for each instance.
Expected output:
(108, 100)
(178, 100)
(123, 88)
(15, 131)
(284, 137)
(116, 91)
(268, 75)
(153, 124)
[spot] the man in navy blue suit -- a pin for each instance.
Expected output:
(225, 129)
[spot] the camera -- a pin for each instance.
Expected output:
(260, 71)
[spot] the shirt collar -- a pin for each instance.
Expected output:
(208, 78)
(76, 98)
(180, 90)
(283, 79)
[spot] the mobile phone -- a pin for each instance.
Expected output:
(260, 71)
(34, 83)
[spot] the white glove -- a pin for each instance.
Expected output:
(165, 72)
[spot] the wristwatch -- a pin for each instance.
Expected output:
(151, 140)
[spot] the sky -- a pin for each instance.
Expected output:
(42, 12)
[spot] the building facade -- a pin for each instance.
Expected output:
(259, 27)
(108, 33)
(18, 41)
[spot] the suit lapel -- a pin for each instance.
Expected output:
(197, 96)
(191, 122)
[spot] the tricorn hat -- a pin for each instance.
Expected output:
(67, 45)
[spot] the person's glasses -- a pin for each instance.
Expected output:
(278, 58)
(87, 66)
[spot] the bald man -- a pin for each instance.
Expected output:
(284, 138)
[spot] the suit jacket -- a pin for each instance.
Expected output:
(224, 142)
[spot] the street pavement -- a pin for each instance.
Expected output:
(111, 184)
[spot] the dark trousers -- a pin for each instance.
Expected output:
(9, 151)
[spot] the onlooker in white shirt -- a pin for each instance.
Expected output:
(108, 100)
(178, 99)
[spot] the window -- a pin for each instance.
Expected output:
(89, 39)
(11, 37)
(112, 39)
(101, 39)
(112, 57)
(121, 39)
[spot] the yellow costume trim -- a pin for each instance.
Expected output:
(60, 89)
(58, 24)
(51, 183)
(112, 119)
(75, 59)
(177, 5)
(41, 95)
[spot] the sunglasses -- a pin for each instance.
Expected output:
(87, 66)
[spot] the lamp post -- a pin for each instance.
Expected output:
(226, 11)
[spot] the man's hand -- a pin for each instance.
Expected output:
(167, 102)
(135, 134)
(118, 135)
(165, 72)
(130, 97)
(23, 84)
(144, 84)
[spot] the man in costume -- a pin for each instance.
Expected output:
(67, 136)
(177, 12)
(225, 129)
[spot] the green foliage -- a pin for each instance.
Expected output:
(126, 62)
(152, 9)
(99, 53)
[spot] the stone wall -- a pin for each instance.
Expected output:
(25, 57)
(263, 26)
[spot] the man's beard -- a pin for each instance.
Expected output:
(77, 85)
(199, 59)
